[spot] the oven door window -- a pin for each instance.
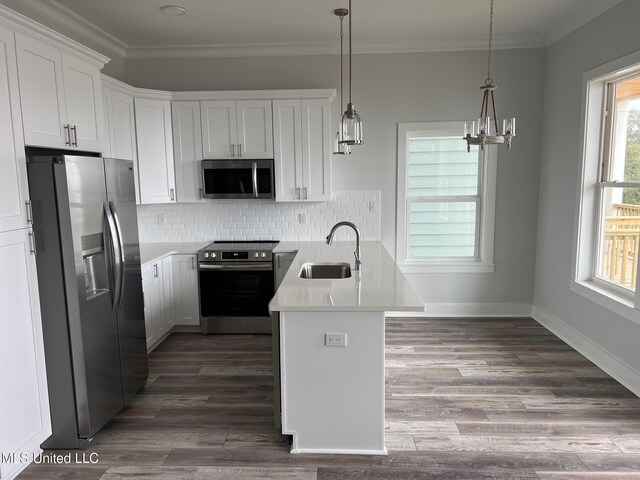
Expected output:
(235, 293)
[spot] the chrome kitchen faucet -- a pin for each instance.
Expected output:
(355, 229)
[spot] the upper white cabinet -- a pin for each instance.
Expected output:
(120, 129)
(187, 149)
(24, 405)
(237, 129)
(60, 96)
(302, 143)
(14, 193)
(156, 175)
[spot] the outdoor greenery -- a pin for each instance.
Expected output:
(632, 161)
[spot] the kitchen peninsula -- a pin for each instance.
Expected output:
(331, 336)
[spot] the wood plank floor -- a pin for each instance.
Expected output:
(466, 399)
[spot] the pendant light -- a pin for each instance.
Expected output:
(341, 148)
(485, 130)
(351, 126)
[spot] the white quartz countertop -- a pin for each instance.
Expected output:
(379, 286)
(151, 252)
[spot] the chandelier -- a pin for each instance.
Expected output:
(485, 130)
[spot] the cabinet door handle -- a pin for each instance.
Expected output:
(239, 149)
(233, 149)
(305, 193)
(155, 270)
(32, 242)
(29, 212)
(172, 194)
(297, 193)
(74, 129)
(200, 190)
(193, 263)
(67, 135)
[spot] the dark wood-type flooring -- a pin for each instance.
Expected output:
(466, 399)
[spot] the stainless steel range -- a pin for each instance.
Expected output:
(236, 285)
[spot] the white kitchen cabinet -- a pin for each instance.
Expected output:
(154, 303)
(302, 150)
(237, 129)
(14, 192)
(167, 294)
(282, 262)
(107, 151)
(185, 309)
(187, 149)
(24, 404)
(60, 97)
(156, 176)
(120, 130)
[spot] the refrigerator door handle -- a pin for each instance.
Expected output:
(121, 247)
(117, 255)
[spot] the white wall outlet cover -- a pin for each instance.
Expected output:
(302, 218)
(335, 339)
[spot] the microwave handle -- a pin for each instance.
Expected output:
(254, 177)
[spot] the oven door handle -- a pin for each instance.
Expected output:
(264, 266)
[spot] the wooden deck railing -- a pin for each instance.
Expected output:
(620, 248)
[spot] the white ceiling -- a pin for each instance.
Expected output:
(292, 26)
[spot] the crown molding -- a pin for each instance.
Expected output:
(332, 48)
(63, 17)
(23, 24)
(328, 93)
(577, 19)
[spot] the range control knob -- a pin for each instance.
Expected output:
(264, 255)
(206, 254)
(213, 255)
(256, 255)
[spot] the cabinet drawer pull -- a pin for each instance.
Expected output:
(172, 194)
(29, 212)
(155, 270)
(67, 135)
(193, 263)
(74, 129)
(32, 242)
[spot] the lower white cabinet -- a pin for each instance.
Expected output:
(185, 290)
(24, 403)
(155, 313)
(171, 297)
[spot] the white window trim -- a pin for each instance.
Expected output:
(485, 263)
(585, 236)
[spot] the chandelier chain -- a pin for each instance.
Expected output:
(489, 80)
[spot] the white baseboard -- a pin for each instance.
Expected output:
(469, 310)
(615, 367)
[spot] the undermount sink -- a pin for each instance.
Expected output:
(325, 270)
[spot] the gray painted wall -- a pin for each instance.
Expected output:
(392, 88)
(612, 35)
(115, 68)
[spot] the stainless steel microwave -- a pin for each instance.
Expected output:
(237, 179)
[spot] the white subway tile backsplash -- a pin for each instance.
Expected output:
(250, 219)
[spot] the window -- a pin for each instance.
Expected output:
(607, 237)
(446, 200)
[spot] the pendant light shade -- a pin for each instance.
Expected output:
(351, 124)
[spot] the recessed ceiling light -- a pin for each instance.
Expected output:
(174, 10)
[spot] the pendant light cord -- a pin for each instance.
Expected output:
(489, 80)
(341, 58)
(350, 54)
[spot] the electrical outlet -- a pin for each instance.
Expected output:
(335, 339)
(372, 206)
(162, 219)
(302, 218)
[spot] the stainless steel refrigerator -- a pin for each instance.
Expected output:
(88, 261)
